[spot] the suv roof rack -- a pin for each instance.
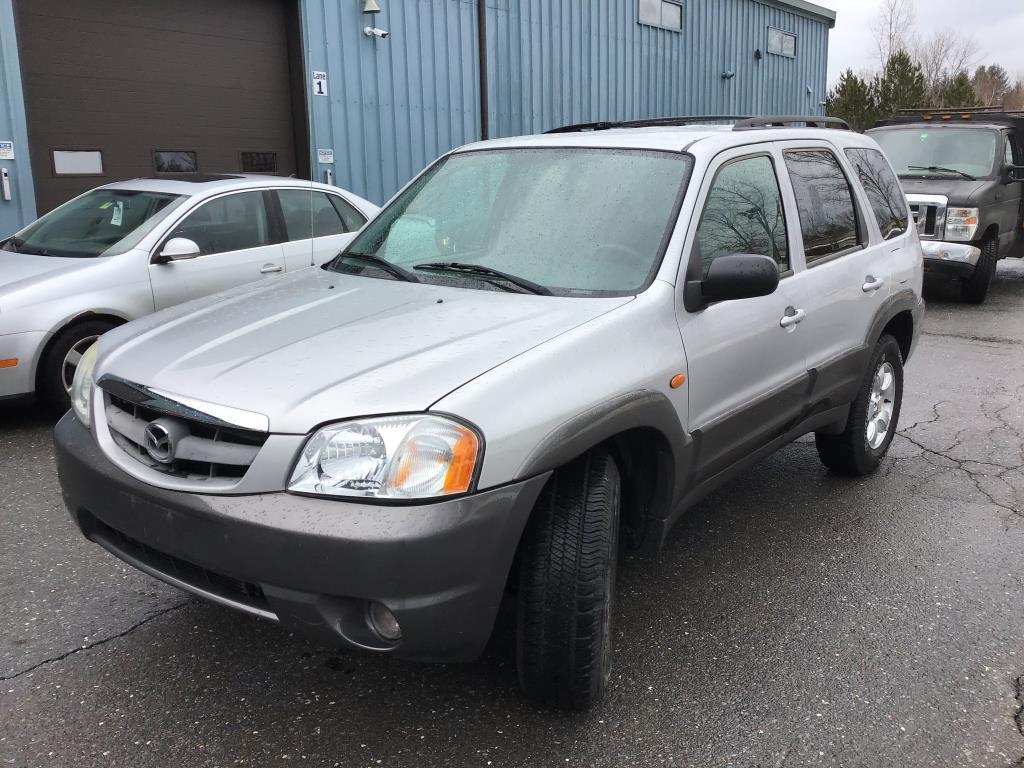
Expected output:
(740, 122)
(955, 115)
(650, 122)
(783, 121)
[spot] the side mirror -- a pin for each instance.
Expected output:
(739, 276)
(177, 249)
(1012, 173)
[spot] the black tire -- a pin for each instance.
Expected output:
(50, 377)
(567, 583)
(975, 288)
(849, 452)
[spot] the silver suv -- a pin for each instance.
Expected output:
(541, 349)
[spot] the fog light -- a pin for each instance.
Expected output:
(384, 623)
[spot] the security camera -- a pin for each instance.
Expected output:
(375, 32)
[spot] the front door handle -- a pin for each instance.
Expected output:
(267, 269)
(792, 317)
(872, 283)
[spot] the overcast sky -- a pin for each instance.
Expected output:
(997, 26)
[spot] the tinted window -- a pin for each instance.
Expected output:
(229, 223)
(577, 221)
(310, 214)
(103, 222)
(744, 214)
(828, 218)
(175, 162)
(883, 190)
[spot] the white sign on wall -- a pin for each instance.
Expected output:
(319, 83)
(325, 156)
(6, 150)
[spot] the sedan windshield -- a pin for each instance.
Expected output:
(566, 221)
(104, 222)
(943, 152)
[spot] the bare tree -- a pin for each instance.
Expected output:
(944, 54)
(893, 28)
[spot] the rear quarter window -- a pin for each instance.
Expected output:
(888, 202)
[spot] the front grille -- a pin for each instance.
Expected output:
(929, 214)
(202, 450)
(190, 574)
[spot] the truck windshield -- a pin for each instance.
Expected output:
(920, 152)
(566, 221)
(103, 222)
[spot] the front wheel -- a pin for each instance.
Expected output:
(567, 583)
(57, 368)
(975, 288)
(874, 414)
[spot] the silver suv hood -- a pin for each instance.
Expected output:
(319, 346)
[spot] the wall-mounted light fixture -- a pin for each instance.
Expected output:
(728, 74)
(371, 6)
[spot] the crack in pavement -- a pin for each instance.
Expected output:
(970, 337)
(1018, 693)
(96, 644)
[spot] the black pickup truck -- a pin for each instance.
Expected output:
(963, 174)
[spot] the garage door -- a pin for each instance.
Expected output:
(117, 90)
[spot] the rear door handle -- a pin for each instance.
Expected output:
(267, 269)
(872, 283)
(792, 319)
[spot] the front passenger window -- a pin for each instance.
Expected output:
(230, 223)
(744, 214)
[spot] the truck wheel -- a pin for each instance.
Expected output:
(567, 583)
(57, 368)
(975, 288)
(874, 414)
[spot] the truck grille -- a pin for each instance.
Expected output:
(929, 213)
(176, 442)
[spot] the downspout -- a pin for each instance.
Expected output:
(481, 34)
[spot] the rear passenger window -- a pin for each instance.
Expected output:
(883, 190)
(309, 213)
(828, 218)
(744, 214)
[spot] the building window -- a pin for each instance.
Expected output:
(781, 43)
(77, 162)
(175, 161)
(259, 162)
(667, 14)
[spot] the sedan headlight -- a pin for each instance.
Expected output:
(961, 224)
(392, 457)
(83, 385)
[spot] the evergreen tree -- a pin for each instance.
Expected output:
(900, 86)
(957, 91)
(853, 101)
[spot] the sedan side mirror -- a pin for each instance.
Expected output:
(739, 276)
(177, 249)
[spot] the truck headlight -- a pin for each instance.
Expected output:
(83, 385)
(415, 456)
(961, 223)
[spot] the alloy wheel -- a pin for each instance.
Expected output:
(880, 405)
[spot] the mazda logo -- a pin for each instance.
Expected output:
(158, 443)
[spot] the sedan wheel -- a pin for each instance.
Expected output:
(71, 359)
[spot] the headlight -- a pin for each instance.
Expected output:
(961, 223)
(83, 385)
(392, 457)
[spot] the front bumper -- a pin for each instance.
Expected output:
(26, 348)
(950, 259)
(311, 564)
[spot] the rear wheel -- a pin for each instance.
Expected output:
(975, 288)
(58, 366)
(567, 583)
(871, 425)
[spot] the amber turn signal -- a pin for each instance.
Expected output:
(677, 381)
(10, 362)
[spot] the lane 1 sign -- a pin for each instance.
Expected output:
(319, 83)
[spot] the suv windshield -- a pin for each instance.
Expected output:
(947, 152)
(566, 221)
(104, 222)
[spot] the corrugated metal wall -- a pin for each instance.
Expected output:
(21, 209)
(395, 104)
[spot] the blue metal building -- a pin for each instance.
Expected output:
(371, 111)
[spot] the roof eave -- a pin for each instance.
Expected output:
(804, 8)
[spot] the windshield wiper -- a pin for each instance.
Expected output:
(377, 261)
(479, 269)
(941, 169)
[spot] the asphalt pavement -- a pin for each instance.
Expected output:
(794, 619)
